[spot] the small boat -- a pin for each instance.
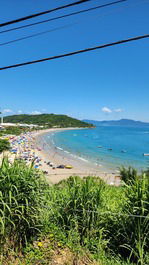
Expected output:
(123, 151)
(146, 154)
(110, 149)
(100, 146)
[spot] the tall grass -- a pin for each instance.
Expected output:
(129, 232)
(128, 175)
(111, 223)
(76, 208)
(103, 219)
(21, 189)
(136, 230)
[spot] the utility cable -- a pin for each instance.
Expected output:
(36, 34)
(51, 30)
(42, 13)
(63, 16)
(58, 28)
(77, 52)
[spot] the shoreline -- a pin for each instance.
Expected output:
(80, 168)
(31, 146)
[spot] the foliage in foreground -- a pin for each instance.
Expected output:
(21, 198)
(4, 145)
(131, 229)
(103, 219)
(110, 224)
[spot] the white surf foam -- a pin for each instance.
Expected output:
(59, 148)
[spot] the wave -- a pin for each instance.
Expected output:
(83, 159)
(78, 157)
(59, 148)
(73, 155)
(66, 152)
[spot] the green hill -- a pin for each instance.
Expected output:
(48, 120)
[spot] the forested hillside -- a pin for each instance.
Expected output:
(49, 120)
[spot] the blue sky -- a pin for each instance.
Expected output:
(112, 83)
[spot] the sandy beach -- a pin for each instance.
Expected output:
(31, 147)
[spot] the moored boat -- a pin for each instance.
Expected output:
(123, 151)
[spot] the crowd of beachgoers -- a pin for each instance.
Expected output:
(25, 147)
(54, 165)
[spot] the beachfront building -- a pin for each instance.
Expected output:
(19, 125)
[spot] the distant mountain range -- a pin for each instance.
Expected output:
(122, 122)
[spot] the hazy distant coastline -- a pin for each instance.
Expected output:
(121, 122)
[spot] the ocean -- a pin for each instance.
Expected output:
(109, 146)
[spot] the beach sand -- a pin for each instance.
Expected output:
(30, 145)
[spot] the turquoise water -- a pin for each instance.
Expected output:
(127, 143)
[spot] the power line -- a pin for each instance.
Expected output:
(58, 28)
(63, 16)
(35, 35)
(77, 52)
(42, 13)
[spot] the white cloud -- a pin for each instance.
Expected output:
(106, 110)
(36, 112)
(118, 110)
(7, 111)
(20, 111)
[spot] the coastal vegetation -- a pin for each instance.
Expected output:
(84, 220)
(4, 145)
(13, 130)
(48, 120)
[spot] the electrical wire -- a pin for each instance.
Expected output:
(63, 16)
(76, 52)
(36, 34)
(55, 29)
(42, 13)
(63, 27)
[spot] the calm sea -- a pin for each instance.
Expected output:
(109, 146)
